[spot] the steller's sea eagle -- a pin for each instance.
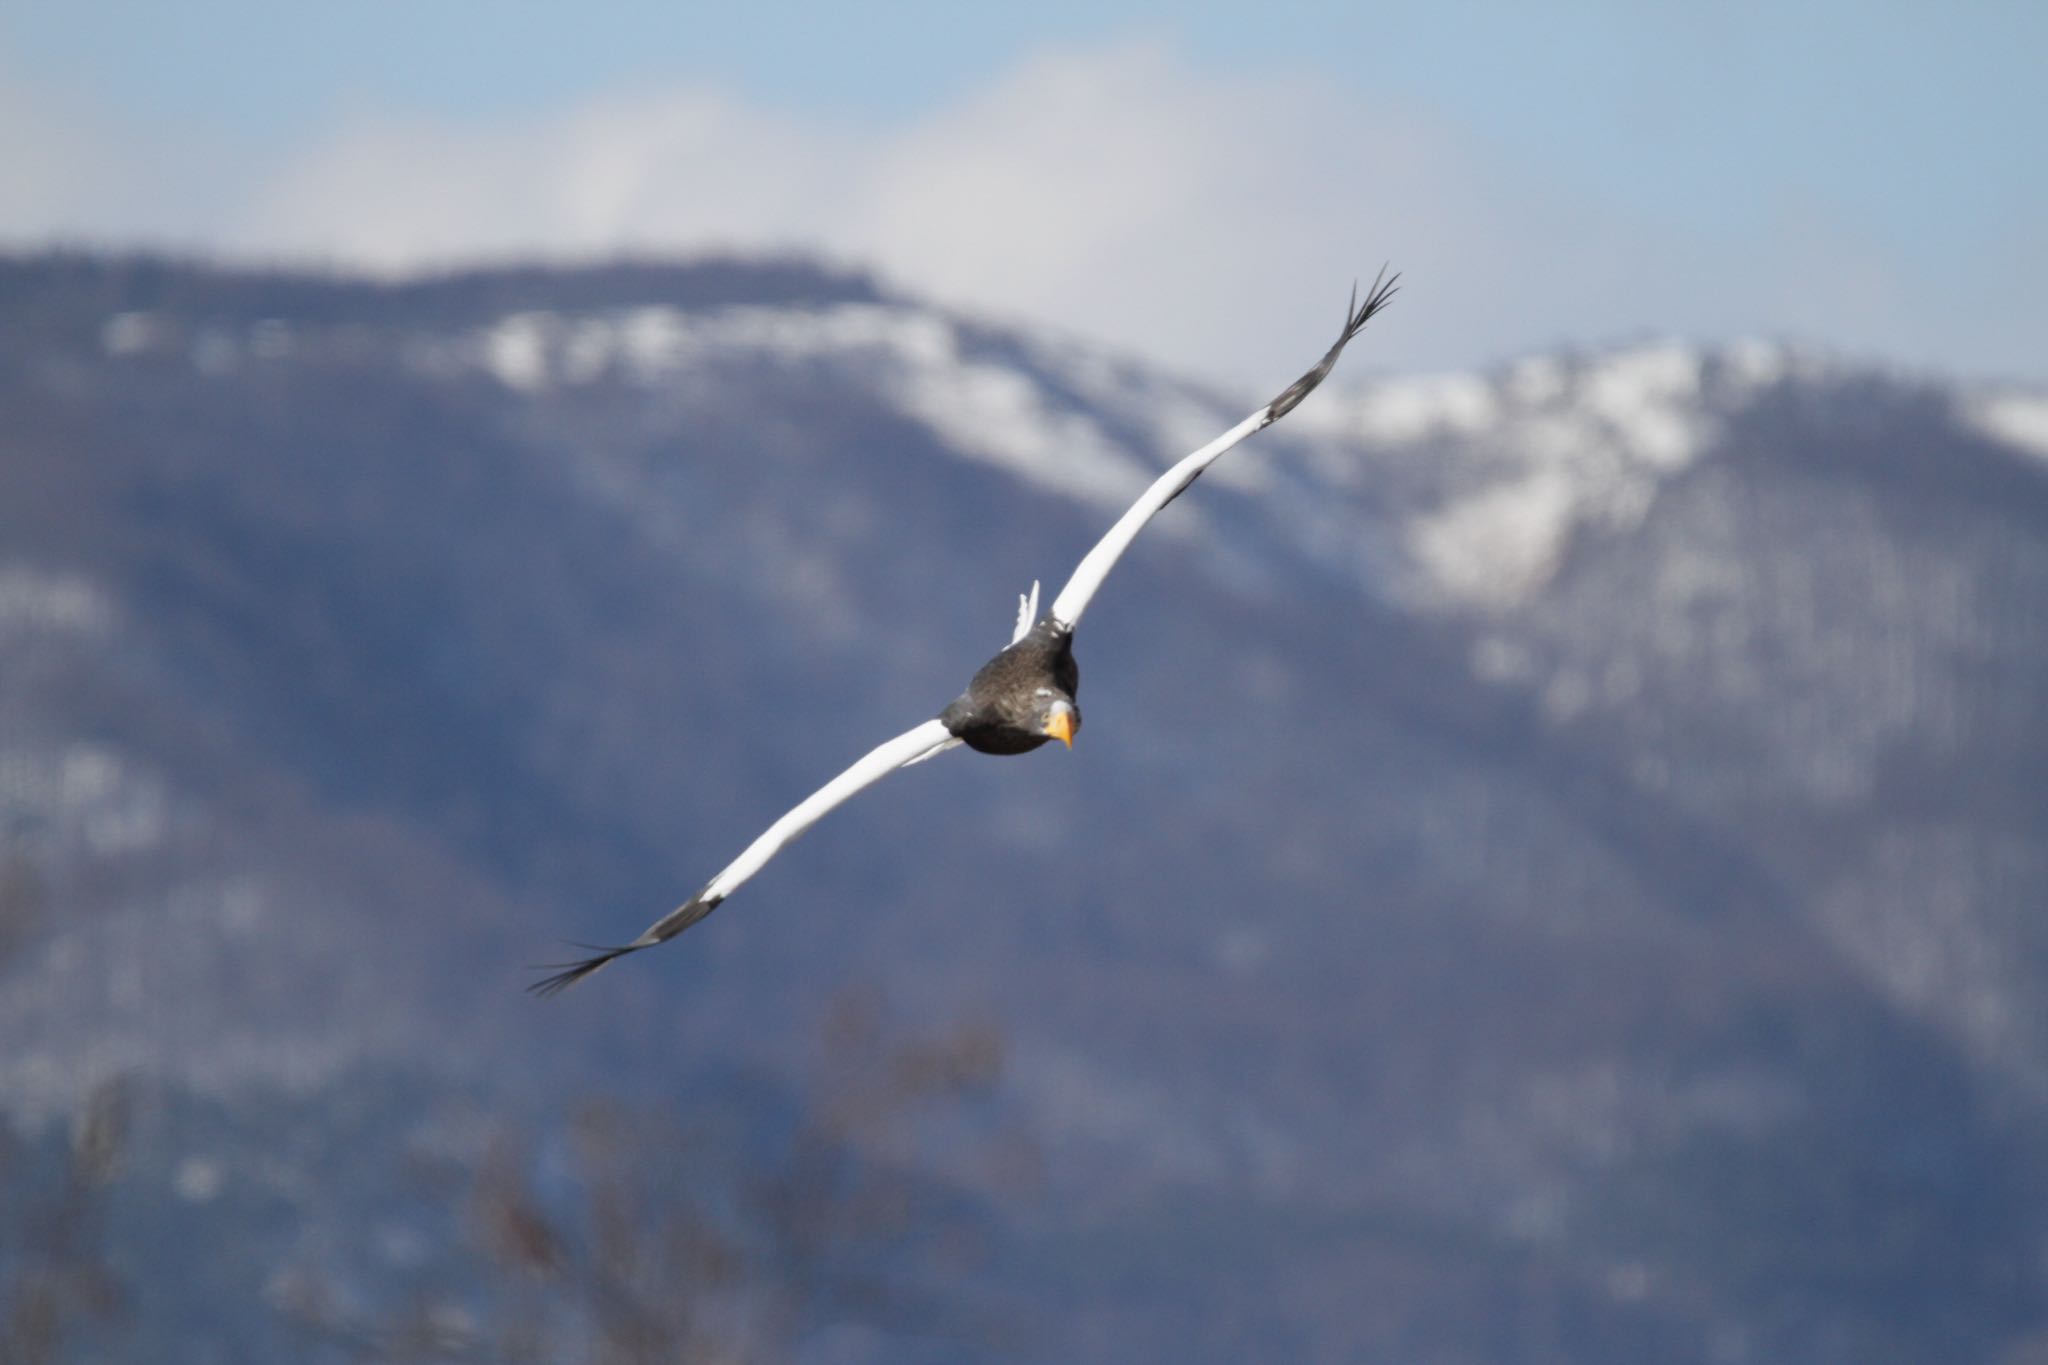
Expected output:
(1018, 700)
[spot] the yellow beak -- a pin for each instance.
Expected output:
(1061, 727)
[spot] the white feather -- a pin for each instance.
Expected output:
(1096, 564)
(1027, 613)
(913, 746)
(934, 751)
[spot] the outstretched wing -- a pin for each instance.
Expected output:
(910, 747)
(1095, 566)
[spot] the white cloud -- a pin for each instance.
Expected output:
(1111, 192)
(681, 170)
(1209, 220)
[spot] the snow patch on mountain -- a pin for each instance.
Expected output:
(1405, 410)
(1166, 418)
(80, 799)
(34, 600)
(986, 410)
(1495, 546)
(1491, 476)
(1459, 491)
(2019, 420)
(1562, 447)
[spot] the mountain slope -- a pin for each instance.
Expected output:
(1550, 873)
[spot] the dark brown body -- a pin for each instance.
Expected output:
(1004, 709)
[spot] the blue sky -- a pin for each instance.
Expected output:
(1190, 183)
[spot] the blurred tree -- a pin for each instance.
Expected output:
(22, 897)
(55, 1282)
(656, 1247)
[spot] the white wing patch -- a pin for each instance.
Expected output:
(948, 743)
(913, 746)
(1096, 564)
(1027, 613)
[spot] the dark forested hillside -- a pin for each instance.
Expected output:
(1554, 870)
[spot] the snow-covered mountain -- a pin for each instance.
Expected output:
(1553, 871)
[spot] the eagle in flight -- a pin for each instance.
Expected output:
(1018, 700)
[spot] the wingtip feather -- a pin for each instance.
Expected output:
(1356, 315)
(563, 975)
